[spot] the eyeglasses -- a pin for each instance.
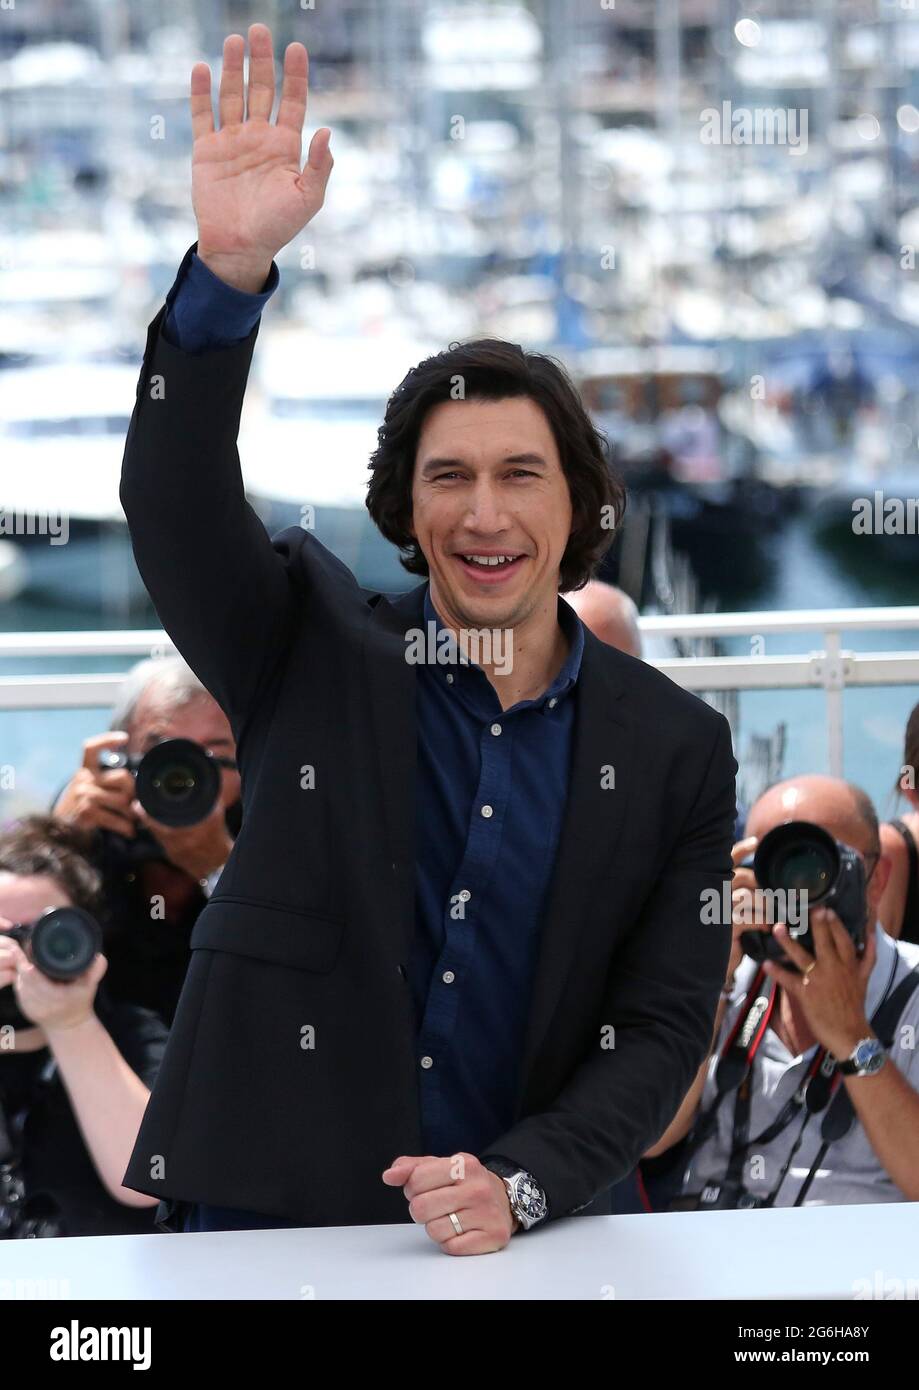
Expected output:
(865, 858)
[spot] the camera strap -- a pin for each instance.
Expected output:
(737, 1054)
(740, 1140)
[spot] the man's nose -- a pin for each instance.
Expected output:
(485, 514)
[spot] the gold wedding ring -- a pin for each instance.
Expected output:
(808, 970)
(456, 1223)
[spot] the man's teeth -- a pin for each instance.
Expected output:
(489, 559)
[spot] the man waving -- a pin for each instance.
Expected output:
(455, 969)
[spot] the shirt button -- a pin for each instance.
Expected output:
(427, 1062)
(553, 702)
(464, 895)
(130, 877)
(449, 678)
(448, 977)
(496, 729)
(487, 811)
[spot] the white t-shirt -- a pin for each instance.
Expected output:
(850, 1171)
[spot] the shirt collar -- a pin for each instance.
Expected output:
(470, 674)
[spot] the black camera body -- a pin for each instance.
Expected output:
(178, 781)
(802, 857)
(62, 943)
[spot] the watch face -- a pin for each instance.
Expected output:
(530, 1199)
(869, 1056)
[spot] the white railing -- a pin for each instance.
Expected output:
(829, 667)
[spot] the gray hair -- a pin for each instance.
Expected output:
(175, 682)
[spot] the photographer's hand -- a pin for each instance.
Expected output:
(52, 1005)
(746, 908)
(97, 798)
(196, 849)
(831, 996)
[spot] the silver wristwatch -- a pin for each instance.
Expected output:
(866, 1058)
(527, 1199)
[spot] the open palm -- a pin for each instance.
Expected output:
(249, 194)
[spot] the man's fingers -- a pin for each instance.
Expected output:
(231, 80)
(319, 160)
(795, 952)
(743, 849)
(110, 820)
(202, 112)
(786, 978)
(116, 786)
(261, 73)
(295, 87)
(92, 747)
(824, 937)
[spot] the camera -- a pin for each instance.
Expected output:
(62, 943)
(802, 858)
(178, 781)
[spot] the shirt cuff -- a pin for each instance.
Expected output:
(205, 312)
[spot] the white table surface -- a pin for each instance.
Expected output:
(812, 1252)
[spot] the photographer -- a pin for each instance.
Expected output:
(777, 1155)
(156, 877)
(75, 1068)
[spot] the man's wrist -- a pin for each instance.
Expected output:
(239, 272)
(849, 1038)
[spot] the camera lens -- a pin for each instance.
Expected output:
(64, 942)
(797, 857)
(803, 868)
(177, 783)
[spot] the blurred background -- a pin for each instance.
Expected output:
(709, 211)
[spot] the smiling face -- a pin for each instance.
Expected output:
(488, 482)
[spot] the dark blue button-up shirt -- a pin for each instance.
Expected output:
(491, 793)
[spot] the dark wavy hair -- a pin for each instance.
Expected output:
(492, 369)
(38, 846)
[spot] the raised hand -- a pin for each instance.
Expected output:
(249, 194)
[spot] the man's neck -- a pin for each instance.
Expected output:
(533, 654)
(531, 672)
(790, 1026)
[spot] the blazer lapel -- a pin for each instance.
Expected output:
(603, 751)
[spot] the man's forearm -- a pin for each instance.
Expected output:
(888, 1109)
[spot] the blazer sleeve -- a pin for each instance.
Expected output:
(222, 589)
(661, 998)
